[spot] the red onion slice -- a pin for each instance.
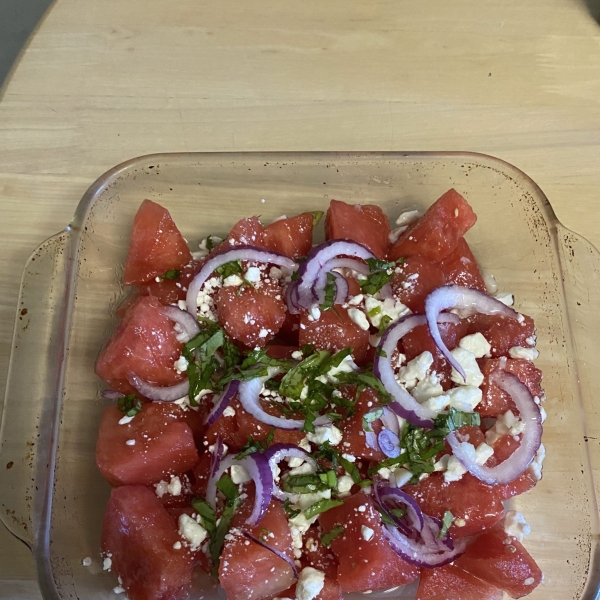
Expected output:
(222, 257)
(249, 395)
(216, 474)
(291, 298)
(317, 258)
(389, 498)
(217, 456)
(276, 552)
(159, 393)
(187, 323)
(258, 467)
(390, 420)
(111, 394)
(275, 454)
(222, 401)
(371, 441)
(464, 299)
(389, 443)
(520, 459)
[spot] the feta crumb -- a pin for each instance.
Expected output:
(469, 364)
(482, 453)
(130, 442)
(377, 309)
(177, 546)
(315, 313)
(192, 531)
(275, 273)
(359, 318)
(427, 388)
(125, 420)
(505, 298)
(515, 525)
(521, 352)
(454, 471)
(344, 485)
(181, 364)
(174, 488)
(305, 468)
(465, 397)
(182, 304)
(401, 477)
(476, 344)
(415, 370)
(232, 281)
(536, 465)
(118, 589)
(325, 433)
(107, 564)
(229, 412)
(161, 488)
(367, 533)
(408, 217)
(310, 583)
(442, 464)
(297, 355)
(529, 581)
(239, 474)
(86, 562)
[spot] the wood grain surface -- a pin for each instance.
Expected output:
(104, 81)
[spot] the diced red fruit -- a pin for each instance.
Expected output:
(164, 445)
(502, 332)
(280, 351)
(319, 557)
(461, 268)
(144, 343)
(246, 232)
(364, 565)
(418, 277)
(419, 340)
(468, 499)
(335, 331)
(251, 315)
(502, 561)
(169, 291)
(234, 430)
(156, 245)
(201, 473)
(496, 401)
(436, 234)
(138, 534)
(353, 286)
(291, 236)
(451, 583)
(355, 441)
(365, 224)
(249, 571)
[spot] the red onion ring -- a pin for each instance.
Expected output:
(291, 298)
(371, 441)
(390, 420)
(187, 323)
(159, 393)
(520, 459)
(111, 394)
(217, 456)
(275, 454)
(317, 258)
(224, 256)
(276, 552)
(389, 443)
(222, 401)
(387, 496)
(249, 395)
(463, 299)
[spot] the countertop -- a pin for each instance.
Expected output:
(102, 82)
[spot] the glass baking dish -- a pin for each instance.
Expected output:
(52, 495)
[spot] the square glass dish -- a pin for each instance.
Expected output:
(52, 495)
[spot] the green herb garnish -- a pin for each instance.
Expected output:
(231, 268)
(330, 290)
(447, 521)
(171, 274)
(380, 273)
(320, 507)
(317, 216)
(304, 484)
(369, 417)
(328, 537)
(291, 512)
(130, 405)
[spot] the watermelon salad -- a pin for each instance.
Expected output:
(303, 421)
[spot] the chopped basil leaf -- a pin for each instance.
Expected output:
(388, 462)
(381, 352)
(398, 512)
(374, 311)
(294, 276)
(209, 242)
(385, 518)
(328, 537)
(371, 416)
(447, 521)
(171, 274)
(383, 324)
(130, 405)
(217, 540)
(253, 445)
(226, 486)
(303, 484)
(207, 514)
(364, 380)
(330, 478)
(317, 216)
(457, 419)
(381, 272)
(231, 268)
(321, 506)
(327, 453)
(330, 290)
(291, 513)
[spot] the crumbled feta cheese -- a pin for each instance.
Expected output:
(367, 533)
(174, 488)
(232, 281)
(315, 313)
(346, 366)
(252, 275)
(359, 317)
(191, 530)
(521, 352)
(107, 564)
(515, 525)
(476, 344)
(543, 413)
(437, 403)
(384, 473)
(536, 465)
(454, 470)
(130, 442)
(177, 546)
(306, 500)
(400, 477)
(310, 583)
(118, 589)
(125, 420)
(469, 364)
(181, 364)
(325, 433)
(505, 298)
(531, 340)
(408, 217)
(297, 355)
(427, 388)
(356, 300)
(442, 464)
(239, 474)
(161, 488)
(415, 370)
(182, 304)
(377, 309)
(506, 424)
(482, 453)
(344, 485)
(86, 562)
(465, 397)
(529, 581)
(305, 468)
(229, 412)
(275, 273)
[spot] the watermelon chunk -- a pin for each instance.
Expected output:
(436, 234)
(366, 224)
(461, 268)
(291, 236)
(163, 445)
(364, 565)
(156, 245)
(451, 583)
(138, 536)
(145, 343)
(417, 277)
(502, 332)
